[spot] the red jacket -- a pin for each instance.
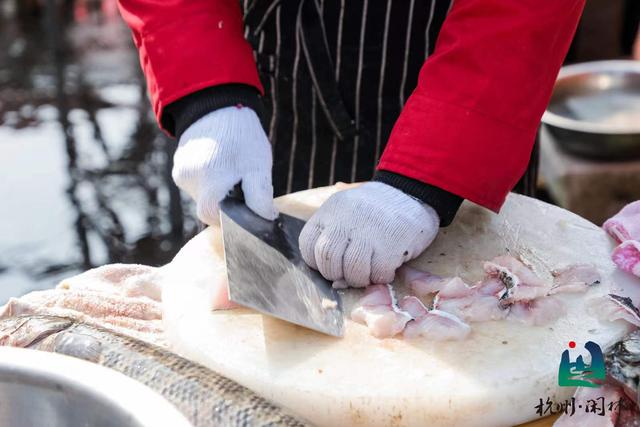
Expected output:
(468, 128)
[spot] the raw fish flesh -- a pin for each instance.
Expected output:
(471, 303)
(539, 311)
(434, 325)
(520, 282)
(420, 282)
(378, 310)
(574, 278)
(613, 307)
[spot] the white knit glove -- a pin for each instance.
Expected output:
(363, 235)
(219, 150)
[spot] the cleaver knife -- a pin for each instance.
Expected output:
(267, 273)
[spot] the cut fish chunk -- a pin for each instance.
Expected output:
(471, 303)
(625, 225)
(627, 257)
(413, 306)
(539, 311)
(420, 282)
(434, 325)
(473, 308)
(575, 278)
(378, 310)
(614, 307)
(520, 282)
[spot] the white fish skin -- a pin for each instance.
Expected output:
(582, 418)
(575, 278)
(379, 311)
(434, 325)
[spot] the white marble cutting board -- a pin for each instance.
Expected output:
(494, 378)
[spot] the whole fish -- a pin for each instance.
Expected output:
(206, 398)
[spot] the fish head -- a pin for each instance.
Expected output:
(26, 331)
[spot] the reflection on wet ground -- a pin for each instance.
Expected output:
(85, 171)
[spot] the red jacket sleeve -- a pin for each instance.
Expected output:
(188, 45)
(469, 126)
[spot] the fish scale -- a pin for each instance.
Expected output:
(203, 396)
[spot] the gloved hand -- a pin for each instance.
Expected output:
(363, 235)
(220, 149)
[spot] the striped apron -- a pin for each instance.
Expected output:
(336, 75)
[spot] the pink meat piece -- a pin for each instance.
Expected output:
(437, 325)
(614, 307)
(490, 286)
(575, 278)
(455, 288)
(584, 418)
(625, 225)
(520, 281)
(379, 311)
(627, 257)
(420, 282)
(413, 306)
(471, 303)
(537, 312)
(434, 325)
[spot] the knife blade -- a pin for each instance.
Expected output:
(267, 273)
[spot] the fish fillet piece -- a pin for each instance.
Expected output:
(434, 325)
(627, 257)
(590, 397)
(378, 310)
(625, 225)
(471, 303)
(421, 283)
(575, 278)
(614, 307)
(537, 312)
(520, 282)
(413, 306)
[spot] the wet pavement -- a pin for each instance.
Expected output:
(85, 171)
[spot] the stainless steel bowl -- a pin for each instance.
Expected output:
(595, 109)
(46, 389)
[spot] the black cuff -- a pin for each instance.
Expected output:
(444, 203)
(181, 114)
